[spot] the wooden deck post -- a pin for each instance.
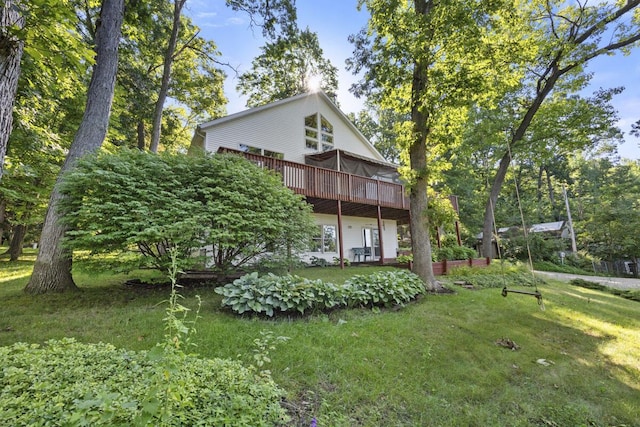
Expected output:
(380, 239)
(340, 240)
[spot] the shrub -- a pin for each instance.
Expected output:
(515, 248)
(404, 259)
(69, 383)
(139, 205)
(384, 288)
(497, 275)
(272, 294)
(452, 253)
(276, 264)
(582, 260)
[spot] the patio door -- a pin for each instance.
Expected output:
(371, 240)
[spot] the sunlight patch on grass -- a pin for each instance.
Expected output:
(13, 275)
(619, 345)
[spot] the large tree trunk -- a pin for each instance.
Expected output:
(52, 270)
(166, 76)
(141, 135)
(420, 238)
(17, 240)
(489, 216)
(11, 49)
(3, 219)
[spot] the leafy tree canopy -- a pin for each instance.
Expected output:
(140, 205)
(287, 67)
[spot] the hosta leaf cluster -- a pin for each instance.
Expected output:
(271, 294)
(70, 383)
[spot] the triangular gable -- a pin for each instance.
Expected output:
(198, 139)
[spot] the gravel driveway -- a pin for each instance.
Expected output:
(611, 282)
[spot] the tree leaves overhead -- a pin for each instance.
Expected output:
(428, 61)
(276, 18)
(195, 86)
(563, 37)
(287, 67)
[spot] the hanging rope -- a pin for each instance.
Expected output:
(505, 290)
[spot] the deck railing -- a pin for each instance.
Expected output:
(313, 181)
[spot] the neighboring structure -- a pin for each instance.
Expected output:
(357, 197)
(557, 229)
(548, 230)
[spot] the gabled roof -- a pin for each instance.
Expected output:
(256, 110)
(547, 227)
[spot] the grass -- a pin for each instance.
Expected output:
(434, 362)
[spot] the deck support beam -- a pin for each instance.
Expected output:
(380, 239)
(340, 239)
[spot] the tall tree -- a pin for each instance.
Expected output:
(166, 75)
(52, 269)
(47, 111)
(11, 48)
(288, 66)
(564, 36)
(195, 87)
(427, 60)
(608, 196)
(566, 125)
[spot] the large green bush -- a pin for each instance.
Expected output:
(271, 294)
(541, 249)
(140, 205)
(451, 253)
(384, 288)
(70, 383)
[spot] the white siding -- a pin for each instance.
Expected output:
(280, 128)
(353, 235)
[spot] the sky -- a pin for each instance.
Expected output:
(335, 20)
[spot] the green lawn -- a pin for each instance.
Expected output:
(434, 362)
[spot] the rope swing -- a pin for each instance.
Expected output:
(505, 289)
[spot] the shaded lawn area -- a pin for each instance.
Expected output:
(434, 362)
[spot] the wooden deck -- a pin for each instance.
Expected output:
(327, 184)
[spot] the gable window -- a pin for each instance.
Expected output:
(318, 132)
(255, 150)
(325, 239)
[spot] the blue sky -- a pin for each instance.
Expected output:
(335, 20)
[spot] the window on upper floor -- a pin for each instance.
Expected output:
(318, 132)
(255, 150)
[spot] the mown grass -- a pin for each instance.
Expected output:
(433, 362)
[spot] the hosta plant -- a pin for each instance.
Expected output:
(272, 294)
(384, 288)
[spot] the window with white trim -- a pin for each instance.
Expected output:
(255, 150)
(318, 132)
(325, 239)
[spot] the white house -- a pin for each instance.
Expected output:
(357, 198)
